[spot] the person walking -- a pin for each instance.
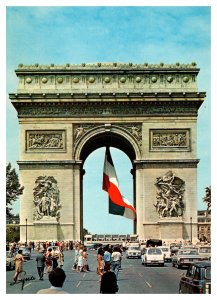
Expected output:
(61, 258)
(19, 259)
(54, 257)
(109, 281)
(85, 257)
(116, 261)
(80, 261)
(48, 260)
(40, 259)
(100, 263)
(56, 278)
(76, 258)
(107, 255)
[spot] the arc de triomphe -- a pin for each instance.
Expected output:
(148, 111)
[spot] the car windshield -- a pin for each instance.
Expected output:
(208, 273)
(165, 249)
(154, 251)
(188, 252)
(133, 248)
(205, 250)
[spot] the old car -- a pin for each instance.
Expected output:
(205, 252)
(154, 256)
(10, 263)
(57, 249)
(167, 253)
(197, 279)
(184, 257)
(133, 251)
(25, 252)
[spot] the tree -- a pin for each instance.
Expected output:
(85, 231)
(207, 199)
(13, 188)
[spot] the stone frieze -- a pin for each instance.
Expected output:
(169, 139)
(45, 140)
(105, 110)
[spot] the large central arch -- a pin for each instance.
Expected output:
(106, 136)
(147, 111)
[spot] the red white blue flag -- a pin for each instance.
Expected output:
(118, 205)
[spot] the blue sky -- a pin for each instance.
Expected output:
(137, 34)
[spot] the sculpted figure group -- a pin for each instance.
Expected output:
(46, 198)
(170, 196)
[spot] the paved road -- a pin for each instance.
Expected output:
(134, 278)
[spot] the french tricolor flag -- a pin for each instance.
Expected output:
(118, 205)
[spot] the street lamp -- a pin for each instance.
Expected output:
(191, 227)
(26, 232)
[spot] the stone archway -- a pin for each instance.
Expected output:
(148, 111)
(102, 136)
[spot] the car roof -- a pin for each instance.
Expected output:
(202, 264)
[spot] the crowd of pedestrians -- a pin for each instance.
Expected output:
(50, 261)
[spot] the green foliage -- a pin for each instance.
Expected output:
(207, 199)
(85, 231)
(13, 188)
(12, 233)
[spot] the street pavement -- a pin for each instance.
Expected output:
(134, 278)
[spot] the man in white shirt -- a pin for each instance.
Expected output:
(116, 261)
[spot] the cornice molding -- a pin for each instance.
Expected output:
(145, 96)
(166, 163)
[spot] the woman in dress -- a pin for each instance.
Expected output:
(85, 256)
(80, 261)
(100, 262)
(19, 259)
(49, 260)
(61, 258)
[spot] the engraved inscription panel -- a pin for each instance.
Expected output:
(169, 139)
(46, 140)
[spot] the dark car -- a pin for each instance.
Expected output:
(197, 279)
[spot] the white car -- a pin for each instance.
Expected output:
(133, 251)
(10, 263)
(154, 256)
(167, 253)
(204, 252)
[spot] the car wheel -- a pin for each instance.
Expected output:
(162, 265)
(178, 266)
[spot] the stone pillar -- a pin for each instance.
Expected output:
(78, 214)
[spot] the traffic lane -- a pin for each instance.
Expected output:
(150, 280)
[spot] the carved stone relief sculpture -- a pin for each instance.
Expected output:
(169, 196)
(46, 140)
(46, 198)
(169, 140)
